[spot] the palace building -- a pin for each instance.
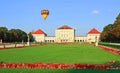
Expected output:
(65, 34)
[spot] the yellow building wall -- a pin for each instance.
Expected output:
(64, 35)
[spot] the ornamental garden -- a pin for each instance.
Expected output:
(64, 52)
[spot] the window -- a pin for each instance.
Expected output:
(65, 35)
(80, 40)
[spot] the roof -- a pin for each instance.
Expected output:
(93, 31)
(65, 27)
(39, 31)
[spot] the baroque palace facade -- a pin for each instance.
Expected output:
(65, 34)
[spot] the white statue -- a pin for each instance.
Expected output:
(1, 41)
(96, 41)
(28, 43)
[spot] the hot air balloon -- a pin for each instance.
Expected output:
(44, 13)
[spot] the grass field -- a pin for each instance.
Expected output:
(13, 70)
(58, 53)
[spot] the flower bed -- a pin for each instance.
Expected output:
(58, 66)
(116, 51)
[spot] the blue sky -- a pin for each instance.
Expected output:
(82, 15)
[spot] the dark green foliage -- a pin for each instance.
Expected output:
(3, 33)
(14, 35)
(110, 45)
(111, 32)
(31, 37)
(17, 35)
(105, 35)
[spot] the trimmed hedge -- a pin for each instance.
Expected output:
(110, 45)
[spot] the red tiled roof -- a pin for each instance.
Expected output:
(93, 31)
(39, 31)
(65, 27)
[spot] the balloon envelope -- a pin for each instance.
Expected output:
(44, 13)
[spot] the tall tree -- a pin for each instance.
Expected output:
(17, 35)
(105, 35)
(115, 32)
(111, 32)
(31, 37)
(21, 35)
(13, 35)
(3, 33)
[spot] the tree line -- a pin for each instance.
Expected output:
(14, 35)
(111, 32)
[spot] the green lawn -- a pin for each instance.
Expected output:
(59, 53)
(17, 70)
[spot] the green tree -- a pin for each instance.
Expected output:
(31, 37)
(111, 32)
(105, 35)
(115, 32)
(17, 35)
(3, 33)
(13, 35)
(21, 35)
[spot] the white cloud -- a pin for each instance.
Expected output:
(95, 11)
